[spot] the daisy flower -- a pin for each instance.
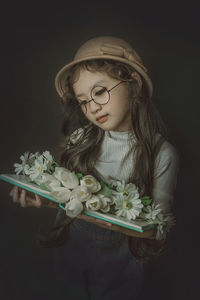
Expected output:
(32, 158)
(23, 167)
(128, 206)
(151, 211)
(40, 165)
(164, 224)
(51, 163)
(47, 156)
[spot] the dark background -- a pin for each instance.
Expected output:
(37, 39)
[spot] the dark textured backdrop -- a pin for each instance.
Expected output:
(37, 40)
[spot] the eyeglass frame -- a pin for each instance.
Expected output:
(108, 91)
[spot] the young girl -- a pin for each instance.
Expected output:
(112, 131)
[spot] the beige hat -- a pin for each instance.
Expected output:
(105, 47)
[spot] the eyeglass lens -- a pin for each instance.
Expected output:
(100, 95)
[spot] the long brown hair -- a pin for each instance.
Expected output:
(81, 152)
(82, 146)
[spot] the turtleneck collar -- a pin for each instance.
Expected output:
(120, 135)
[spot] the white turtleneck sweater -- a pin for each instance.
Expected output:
(116, 162)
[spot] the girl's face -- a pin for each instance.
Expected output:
(114, 115)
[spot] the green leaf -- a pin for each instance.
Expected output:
(106, 191)
(145, 197)
(52, 167)
(114, 187)
(105, 188)
(102, 182)
(79, 176)
(43, 187)
(110, 185)
(146, 200)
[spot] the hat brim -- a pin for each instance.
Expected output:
(60, 80)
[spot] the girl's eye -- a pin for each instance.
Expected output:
(99, 92)
(84, 102)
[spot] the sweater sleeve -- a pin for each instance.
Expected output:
(165, 176)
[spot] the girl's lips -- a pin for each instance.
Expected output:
(102, 119)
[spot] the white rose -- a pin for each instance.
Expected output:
(94, 203)
(91, 183)
(61, 194)
(105, 203)
(67, 178)
(48, 180)
(110, 200)
(73, 208)
(119, 185)
(81, 193)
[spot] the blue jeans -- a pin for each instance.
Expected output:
(96, 263)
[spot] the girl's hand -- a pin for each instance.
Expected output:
(148, 234)
(20, 196)
(27, 199)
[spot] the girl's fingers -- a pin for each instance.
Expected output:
(34, 202)
(31, 202)
(14, 193)
(22, 198)
(38, 201)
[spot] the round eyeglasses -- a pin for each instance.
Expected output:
(99, 94)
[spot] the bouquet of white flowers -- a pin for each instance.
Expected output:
(77, 192)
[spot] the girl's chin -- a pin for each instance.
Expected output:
(114, 128)
(108, 127)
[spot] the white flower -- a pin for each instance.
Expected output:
(67, 178)
(164, 223)
(49, 181)
(47, 156)
(94, 203)
(34, 155)
(81, 193)
(112, 200)
(119, 185)
(124, 189)
(23, 167)
(51, 163)
(91, 183)
(151, 211)
(32, 158)
(40, 165)
(61, 194)
(73, 208)
(105, 203)
(128, 206)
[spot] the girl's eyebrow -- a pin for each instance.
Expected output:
(95, 84)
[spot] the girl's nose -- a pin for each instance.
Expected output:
(94, 107)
